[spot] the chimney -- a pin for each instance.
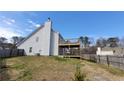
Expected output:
(48, 24)
(49, 19)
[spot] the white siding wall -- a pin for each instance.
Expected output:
(54, 43)
(43, 44)
(100, 52)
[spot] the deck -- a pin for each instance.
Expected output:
(69, 48)
(70, 45)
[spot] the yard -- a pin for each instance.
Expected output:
(56, 68)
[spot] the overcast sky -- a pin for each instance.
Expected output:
(69, 24)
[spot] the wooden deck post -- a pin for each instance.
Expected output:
(107, 58)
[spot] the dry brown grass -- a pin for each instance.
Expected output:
(41, 68)
(55, 68)
(102, 72)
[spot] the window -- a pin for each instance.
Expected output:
(30, 49)
(37, 39)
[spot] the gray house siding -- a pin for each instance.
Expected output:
(54, 43)
(43, 42)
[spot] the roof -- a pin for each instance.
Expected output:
(60, 36)
(18, 44)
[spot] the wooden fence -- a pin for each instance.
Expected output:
(115, 61)
(11, 53)
(90, 57)
(5, 54)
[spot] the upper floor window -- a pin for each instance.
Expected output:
(37, 39)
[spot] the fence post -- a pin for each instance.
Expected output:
(107, 59)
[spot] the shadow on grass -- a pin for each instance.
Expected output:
(3, 70)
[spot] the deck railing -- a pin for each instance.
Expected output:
(69, 52)
(70, 41)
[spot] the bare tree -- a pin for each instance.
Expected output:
(21, 39)
(113, 41)
(85, 41)
(16, 39)
(3, 40)
(121, 43)
(101, 42)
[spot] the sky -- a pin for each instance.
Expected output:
(71, 24)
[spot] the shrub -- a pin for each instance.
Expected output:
(78, 75)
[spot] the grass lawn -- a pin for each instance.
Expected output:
(56, 68)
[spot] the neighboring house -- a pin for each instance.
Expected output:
(6, 46)
(117, 51)
(43, 41)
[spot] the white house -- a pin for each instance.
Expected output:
(116, 51)
(104, 52)
(43, 41)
